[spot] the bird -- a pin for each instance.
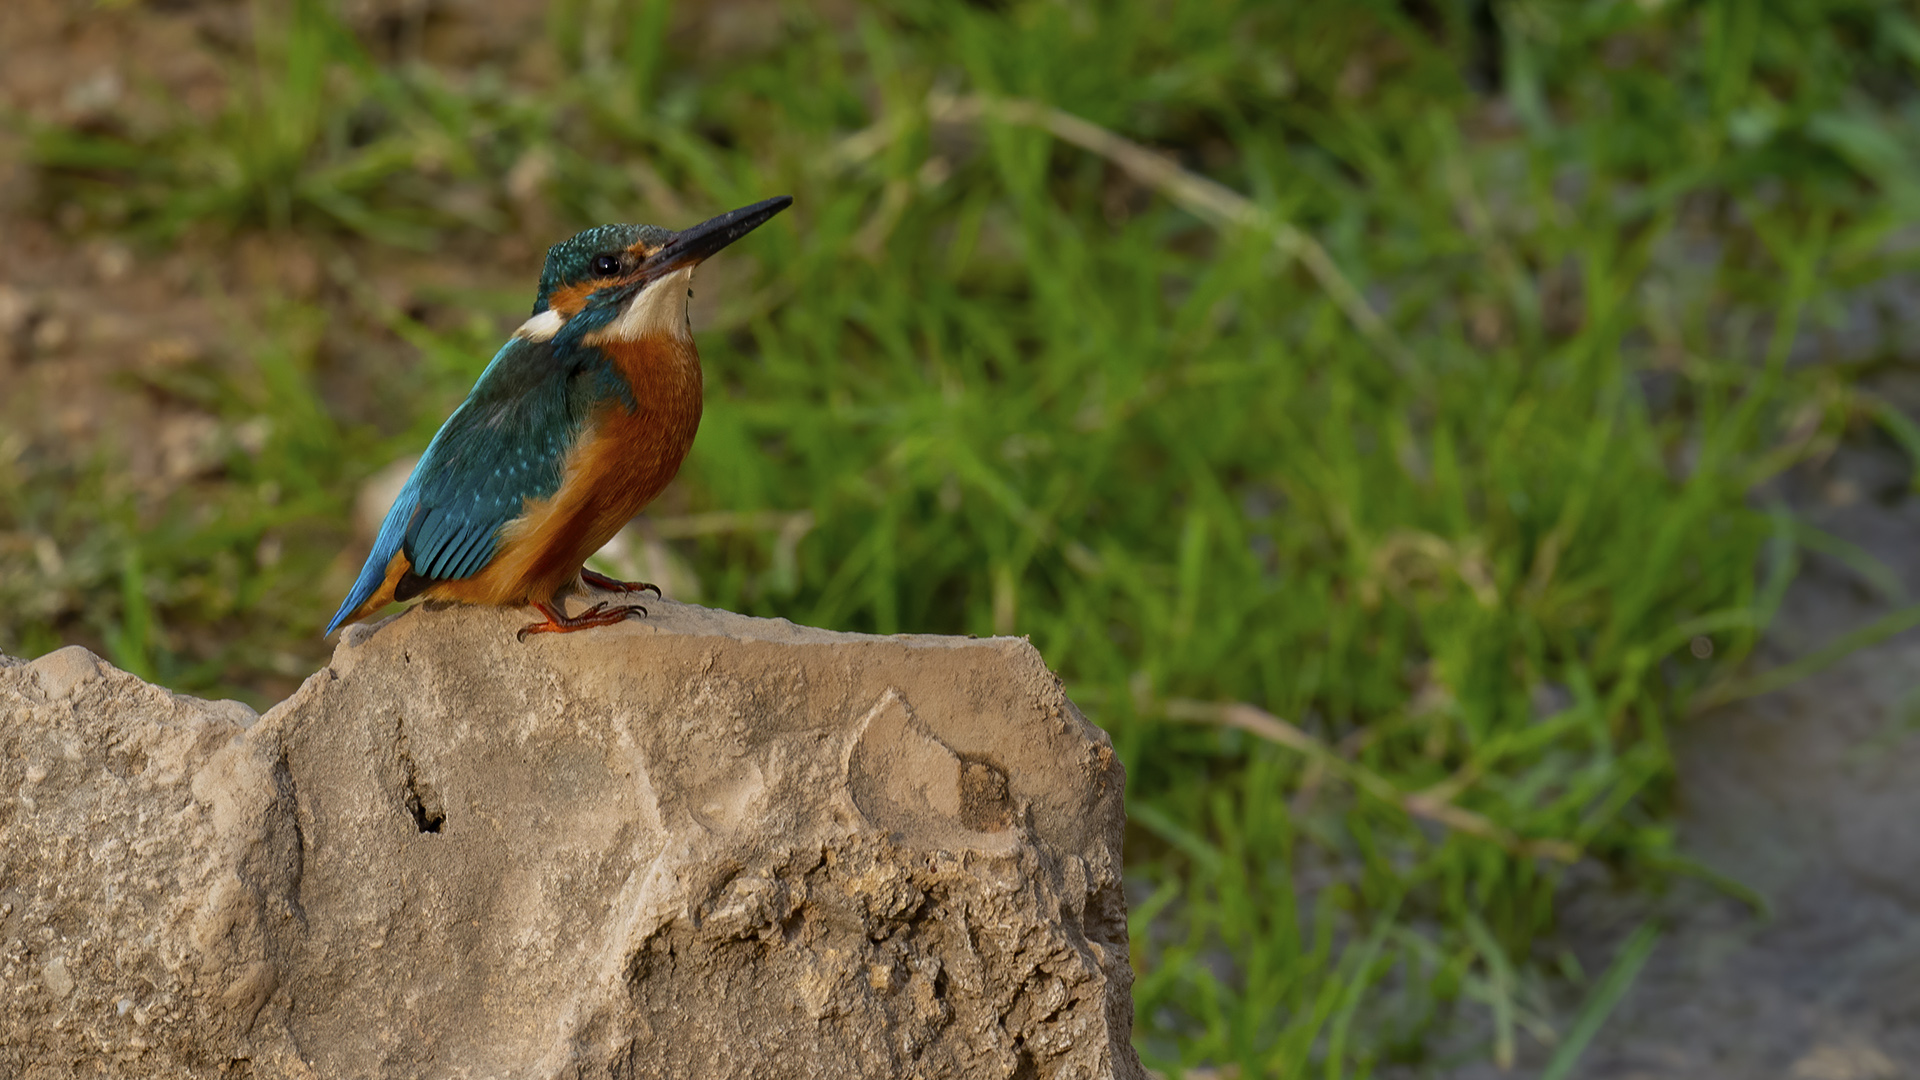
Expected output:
(578, 422)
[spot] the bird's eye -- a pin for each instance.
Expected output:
(606, 265)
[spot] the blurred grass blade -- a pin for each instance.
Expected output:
(1500, 989)
(1607, 992)
(1785, 675)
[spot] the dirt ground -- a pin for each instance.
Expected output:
(90, 327)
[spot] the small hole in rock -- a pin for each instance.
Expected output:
(423, 803)
(985, 805)
(1024, 1067)
(793, 925)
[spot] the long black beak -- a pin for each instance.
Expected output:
(690, 247)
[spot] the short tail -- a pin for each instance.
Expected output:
(393, 531)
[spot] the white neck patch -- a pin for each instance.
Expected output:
(541, 327)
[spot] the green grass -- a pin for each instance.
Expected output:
(1470, 562)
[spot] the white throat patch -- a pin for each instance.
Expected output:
(659, 311)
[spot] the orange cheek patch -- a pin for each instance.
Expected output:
(569, 299)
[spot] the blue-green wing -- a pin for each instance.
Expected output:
(506, 444)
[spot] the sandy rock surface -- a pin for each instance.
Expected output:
(694, 845)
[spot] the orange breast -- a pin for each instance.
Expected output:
(622, 461)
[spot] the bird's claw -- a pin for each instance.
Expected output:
(559, 622)
(611, 584)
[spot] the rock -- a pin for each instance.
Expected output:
(138, 836)
(694, 845)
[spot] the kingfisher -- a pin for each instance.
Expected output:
(578, 422)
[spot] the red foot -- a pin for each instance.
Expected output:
(559, 622)
(606, 584)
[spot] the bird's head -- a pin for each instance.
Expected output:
(629, 282)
